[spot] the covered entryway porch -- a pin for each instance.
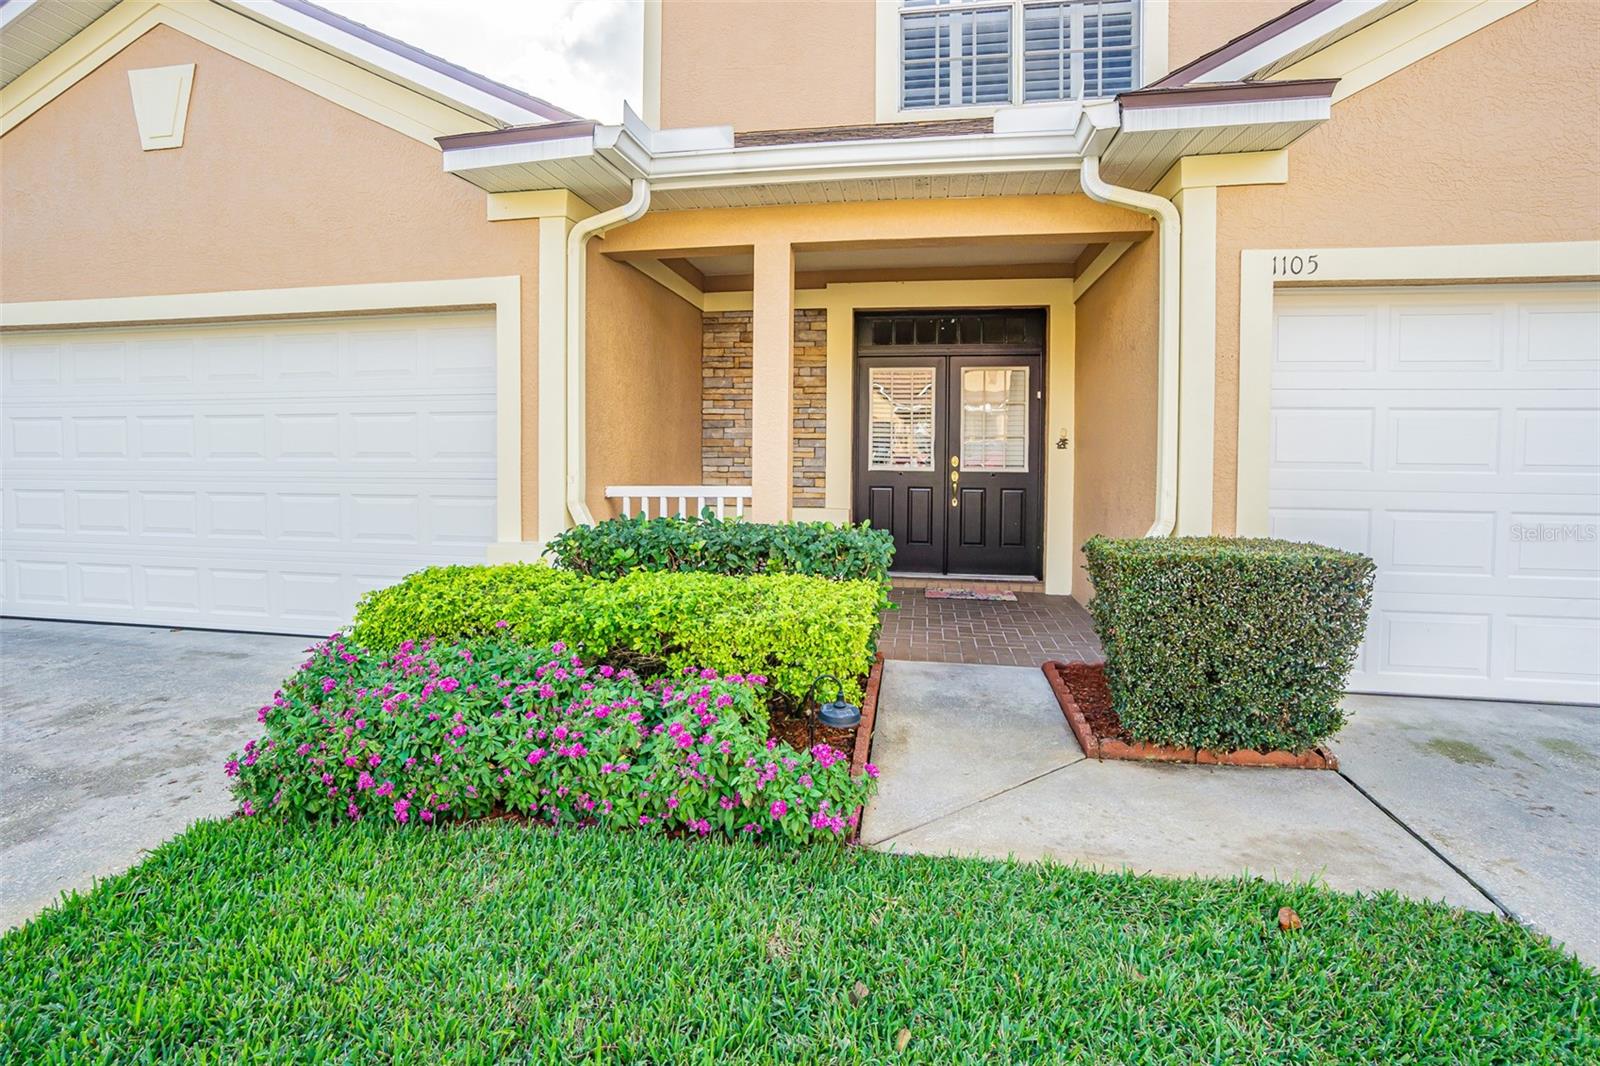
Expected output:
(809, 349)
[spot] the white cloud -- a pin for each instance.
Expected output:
(583, 55)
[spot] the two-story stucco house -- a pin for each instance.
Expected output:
(291, 307)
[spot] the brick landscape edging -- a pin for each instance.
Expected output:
(1318, 758)
(863, 747)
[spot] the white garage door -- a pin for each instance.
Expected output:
(256, 476)
(1453, 435)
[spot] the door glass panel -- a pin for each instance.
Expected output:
(900, 435)
(994, 418)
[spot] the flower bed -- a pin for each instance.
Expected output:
(440, 731)
(1085, 701)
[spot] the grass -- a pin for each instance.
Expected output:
(244, 941)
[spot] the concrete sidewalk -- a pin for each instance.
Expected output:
(977, 760)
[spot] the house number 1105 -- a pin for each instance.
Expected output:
(1293, 266)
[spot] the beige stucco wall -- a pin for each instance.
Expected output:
(274, 187)
(644, 382)
(1115, 395)
(1463, 147)
(767, 66)
(1195, 27)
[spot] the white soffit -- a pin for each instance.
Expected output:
(161, 104)
(32, 29)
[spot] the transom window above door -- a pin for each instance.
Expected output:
(967, 53)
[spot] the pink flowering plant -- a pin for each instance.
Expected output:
(440, 731)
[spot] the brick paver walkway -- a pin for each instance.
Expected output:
(1028, 632)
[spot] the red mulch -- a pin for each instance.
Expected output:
(1085, 701)
(795, 732)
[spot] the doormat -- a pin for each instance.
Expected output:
(970, 594)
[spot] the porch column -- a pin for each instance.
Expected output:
(772, 381)
(1197, 361)
(552, 414)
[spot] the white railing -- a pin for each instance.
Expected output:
(720, 498)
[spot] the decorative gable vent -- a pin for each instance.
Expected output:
(161, 104)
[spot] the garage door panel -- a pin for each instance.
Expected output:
(1559, 338)
(254, 476)
(1454, 436)
(362, 514)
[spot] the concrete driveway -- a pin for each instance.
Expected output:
(1509, 792)
(112, 740)
(1464, 803)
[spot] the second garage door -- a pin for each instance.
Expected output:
(253, 476)
(1453, 435)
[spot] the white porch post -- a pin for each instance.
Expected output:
(1197, 361)
(552, 507)
(772, 381)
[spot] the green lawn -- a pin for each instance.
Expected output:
(245, 941)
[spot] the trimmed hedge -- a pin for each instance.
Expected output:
(619, 546)
(1228, 644)
(786, 627)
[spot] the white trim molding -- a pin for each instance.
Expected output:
(1263, 270)
(413, 111)
(503, 295)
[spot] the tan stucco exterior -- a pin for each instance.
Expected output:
(1421, 158)
(274, 187)
(767, 66)
(644, 382)
(1115, 391)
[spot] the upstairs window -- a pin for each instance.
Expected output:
(964, 53)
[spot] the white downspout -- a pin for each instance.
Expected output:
(577, 343)
(1166, 216)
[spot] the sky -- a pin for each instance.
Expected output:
(583, 55)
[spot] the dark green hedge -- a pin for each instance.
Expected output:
(708, 544)
(787, 627)
(1226, 643)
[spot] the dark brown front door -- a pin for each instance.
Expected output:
(949, 457)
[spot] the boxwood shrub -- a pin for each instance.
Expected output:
(734, 546)
(787, 627)
(1228, 643)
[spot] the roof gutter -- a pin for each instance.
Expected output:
(1167, 228)
(577, 342)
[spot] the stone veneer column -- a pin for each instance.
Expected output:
(772, 381)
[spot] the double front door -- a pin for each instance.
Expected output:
(949, 456)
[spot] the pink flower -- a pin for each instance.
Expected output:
(536, 756)
(328, 685)
(402, 810)
(365, 780)
(872, 770)
(778, 809)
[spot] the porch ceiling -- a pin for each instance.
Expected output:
(730, 271)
